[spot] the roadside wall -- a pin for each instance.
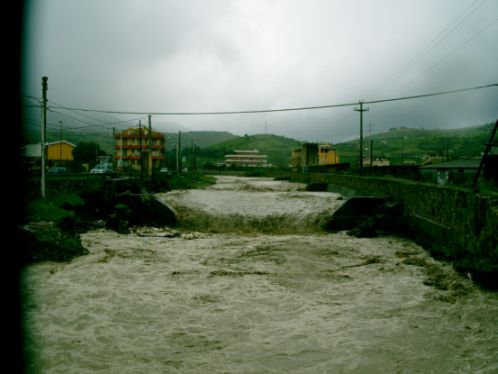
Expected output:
(461, 221)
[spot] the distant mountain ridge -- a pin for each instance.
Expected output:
(398, 145)
(403, 144)
(201, 139)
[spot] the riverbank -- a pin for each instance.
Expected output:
(183, 300)
(454, 224)
(77, 204)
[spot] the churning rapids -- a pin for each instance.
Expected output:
(249, 283)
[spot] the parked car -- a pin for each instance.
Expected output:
(102, 169)
(57, 170)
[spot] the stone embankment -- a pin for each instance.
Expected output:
(454, 223)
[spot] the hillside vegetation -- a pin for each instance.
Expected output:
(397, 145)
(277, 148)
(201, 139)
(412, 144)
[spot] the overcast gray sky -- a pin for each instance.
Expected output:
(226, 55)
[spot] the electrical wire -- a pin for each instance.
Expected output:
(452, 26)
(283, 109)
(432, 94)
(77, 119)
(81, 114)
(32, 97)
(105, 125)
(437, 63)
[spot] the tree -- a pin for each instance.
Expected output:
(86, 153)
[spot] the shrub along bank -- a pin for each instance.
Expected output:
(78, 204)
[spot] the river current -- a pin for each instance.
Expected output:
(250, 283)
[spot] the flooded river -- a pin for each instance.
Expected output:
(251, 284)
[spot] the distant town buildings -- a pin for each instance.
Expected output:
(246, 158)
(379, 162)
(60, 152)
(56, 153)
(312, 154)
(31, 151)
(132, 149)
(455, 171)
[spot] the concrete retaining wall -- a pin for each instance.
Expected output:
(466, 221)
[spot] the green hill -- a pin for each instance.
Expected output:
(202, 139)
(277, 148)
(415, 144)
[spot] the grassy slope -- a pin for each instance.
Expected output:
(277, 148)
(202, 139)
(413, 144)
(396, 145)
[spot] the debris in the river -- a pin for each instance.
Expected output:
(229, 273)
(164, 232)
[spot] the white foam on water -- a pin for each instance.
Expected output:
(254, 303)
(237, 204)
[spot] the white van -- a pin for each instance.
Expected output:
(102, 169)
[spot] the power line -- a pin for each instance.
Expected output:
(208, 113)
(76, 119)
(110, 123)
(32, 97)
(432, 94)
(283, 109)
(105, 125)
(437, 63)
(90, 124)
(452, 26)
(81, 114)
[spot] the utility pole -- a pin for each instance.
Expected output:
(361, 110)
(141, 153)
(192, 154)
(150, 148)
(43, 133)
(371, 153)
(121, 162)
(115, 146)
(178, 153)
(447, 149)
(60, 142)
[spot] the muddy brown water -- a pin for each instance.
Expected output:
(250, 284)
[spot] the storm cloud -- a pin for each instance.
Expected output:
(221, 55)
